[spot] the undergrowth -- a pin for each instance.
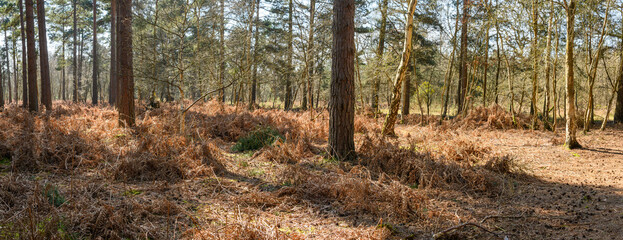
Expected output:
(263, 136)
(75, 174)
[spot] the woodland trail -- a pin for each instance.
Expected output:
(569, 194)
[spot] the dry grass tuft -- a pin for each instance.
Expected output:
(455, 168)
(504, 165)
(494, 117)
(289, 151)
(463, 150)
(354, 192)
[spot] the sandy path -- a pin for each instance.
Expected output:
(570, 194)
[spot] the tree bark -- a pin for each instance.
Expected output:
(499, 63)
(406, 93)
(548, 65)
(310, 59)
(618, 112)
(342, 99)
(390, 121)
(619, 90)
(462, 89)
(63, 63)
(113, 86)
(253, 97)
(571, 141)
(535, 62)
(94, 93)
(75, 51)
(448, 78)
(379, 56)
(221, 92)
(486, 70)
(15, 78)
(46, 88)
(555, 81)
(1, 87)
(126, 76)
(24, 57)
(8, 66)
(33, 102)
(80, 62)
(248, 74)
(288, 95)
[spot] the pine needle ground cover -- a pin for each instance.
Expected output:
(73, 174)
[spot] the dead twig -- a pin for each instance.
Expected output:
(521, 216)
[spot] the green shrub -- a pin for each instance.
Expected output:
(53, 196)
(257, 139)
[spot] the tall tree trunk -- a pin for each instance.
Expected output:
(113, 86)
(570, 138)
(417, 82)
(390, 121)
(15, 78)
(484, 82)
(221, 74)
(8, 66)
(448, 78)
(379, 56)
(310, 58)
(618, 112)
(535, 62)
(258, 95)
(588, 120)
(499, 62)
(406, 93)
(63, 67)
(462, 89)
(126, 77)
(94, 94)
(253, 97)
(46, 88)
(24, 57)
(33, 102)
(80, 61)
(249, 54)
(509, 78)
(75, 51)
(555, 81)
(288, 95)
(1, 87)
(154, 70)
(342, 98)
(548, 65)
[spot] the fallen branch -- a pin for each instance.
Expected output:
(205, 95)
(521, 216)
(500, 216)
(440, 234)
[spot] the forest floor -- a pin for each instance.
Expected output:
(73, 174)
